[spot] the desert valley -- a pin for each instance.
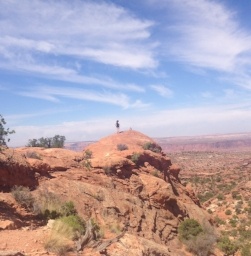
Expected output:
(131, 194)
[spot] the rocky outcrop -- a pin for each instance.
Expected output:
(15, 170)
(136, 188)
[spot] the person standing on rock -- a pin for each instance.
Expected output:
(117, 126)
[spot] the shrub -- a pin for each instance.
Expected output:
(218, 179)
(107, 169)
(198, 239)
(202, 244)
(135, 157)
(68, 208)
(228, 212)
(246, 250)
(88, 154)
(227, 246)
(115, 228)
(23, 196)
(96, 229)
(244, 234)
(151, 146)
(87, 164)
(220, 197)
(48, 205)
(235, 194)
(155, 173)
(209, 211)
(206, 196)
(4, 132)
(219, 221)
(122, 147)
(57, 244)
(233, 222)
(33, 154)
(69, 226)
(188, 229)
(66, 228)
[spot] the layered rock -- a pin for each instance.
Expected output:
(136, 188)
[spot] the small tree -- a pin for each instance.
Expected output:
(227, 246)
(4, 132)
(54, 142)
(198, 239)
(189, 228)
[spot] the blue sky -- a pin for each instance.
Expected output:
(162, 67)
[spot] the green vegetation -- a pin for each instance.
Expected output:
(107, 169)
(135, 157)
(155, 173)
(70, 226)
(228, 212)
(115, 228)
(220, 196)
(67, 224)
(4, 132)
(87, 157)
(87, 154)
(57, 244)
(151, 146)
(122, 147)
(206, 196)
(23, 196)
(33, 154)
(188, 229)
(209, 211)
(227, 246)
(198, 239)
(54, 142)
(246, 250)
(233, 222)
(219, 221)
(66, 228)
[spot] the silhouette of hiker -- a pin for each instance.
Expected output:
(117, 126)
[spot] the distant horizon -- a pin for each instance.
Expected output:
(175, 137)
(167, 68)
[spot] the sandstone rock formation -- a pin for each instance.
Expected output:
(136, 188)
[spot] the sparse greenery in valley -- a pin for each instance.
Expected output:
(222, 182)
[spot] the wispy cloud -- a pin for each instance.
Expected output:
(207, 35)
(162, 90)
(54, 94)
(98, 31)
(165, 123)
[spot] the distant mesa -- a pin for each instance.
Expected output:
(218, 142)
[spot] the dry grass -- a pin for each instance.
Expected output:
(48, 205)
(58, 244)
(23, 196)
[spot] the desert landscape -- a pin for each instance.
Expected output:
(132, 194)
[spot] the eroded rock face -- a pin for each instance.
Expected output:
(134, 188)
(15, 170)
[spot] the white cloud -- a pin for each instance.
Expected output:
(209, 36)
(98, 31)
(206, 34)
(166, 123)
(54, 94)
(162, 90)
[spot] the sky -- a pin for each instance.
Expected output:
(162, 67)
